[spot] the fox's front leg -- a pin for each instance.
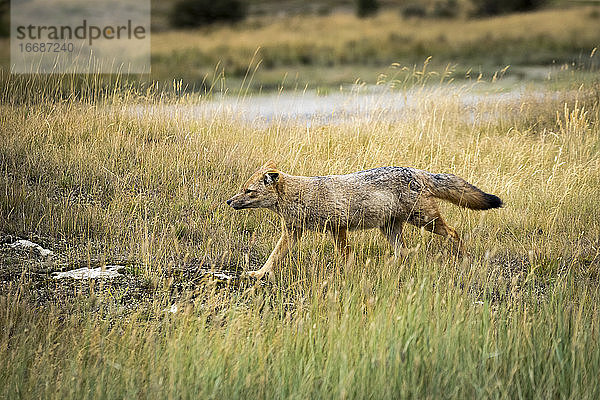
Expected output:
(289, 237)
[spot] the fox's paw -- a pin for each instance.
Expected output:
(258, 275)
(254, 274)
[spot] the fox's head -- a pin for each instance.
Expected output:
(260, 191)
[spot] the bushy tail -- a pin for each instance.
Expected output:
(460, 192)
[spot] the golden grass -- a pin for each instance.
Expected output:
(340, 48)
(306, 49)
(531, 38)
(517, 318)
(334, 30)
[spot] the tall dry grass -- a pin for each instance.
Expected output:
(292, 47)
(518, 318)
(333, 50)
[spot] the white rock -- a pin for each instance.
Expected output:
(222, 276)
(110, 271)
(218, 275)
(26, 244)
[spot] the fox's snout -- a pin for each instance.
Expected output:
(231, 202)
(240, 201)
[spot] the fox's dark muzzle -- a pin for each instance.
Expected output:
(235, 204)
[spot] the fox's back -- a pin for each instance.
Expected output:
(361, 199)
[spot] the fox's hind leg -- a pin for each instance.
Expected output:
(341, 242)
(441, 228)
(427, 215)
(393, 232)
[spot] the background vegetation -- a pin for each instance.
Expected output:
(135, 171)
(194, 13)
(99, 180)
(340, 48)
(297, 50)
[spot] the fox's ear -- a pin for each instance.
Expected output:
(270, 178)
(270, 165)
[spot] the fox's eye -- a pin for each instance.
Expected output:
(249, 191)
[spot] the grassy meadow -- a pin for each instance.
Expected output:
(85, 175)
(130, 171)
(327, 51)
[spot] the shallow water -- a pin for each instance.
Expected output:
(366, 103)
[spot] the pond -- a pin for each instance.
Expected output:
(312, 108)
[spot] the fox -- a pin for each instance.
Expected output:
(384, 198)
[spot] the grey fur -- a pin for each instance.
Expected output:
(383, 198)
